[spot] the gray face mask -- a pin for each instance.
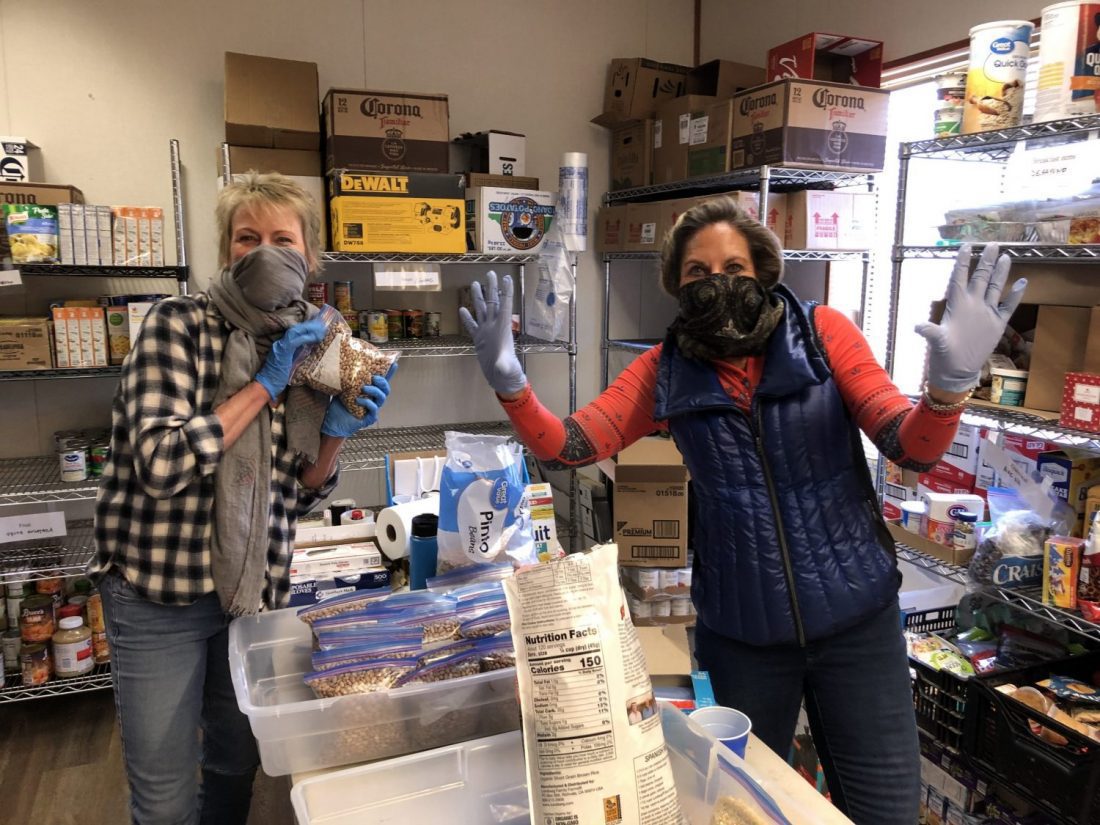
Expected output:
(271, 277)
(724, 317)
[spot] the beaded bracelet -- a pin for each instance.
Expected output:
(935, 406)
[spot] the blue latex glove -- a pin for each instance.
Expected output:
(492, 334)
(342, 424)
(973, 321)
(274, 375)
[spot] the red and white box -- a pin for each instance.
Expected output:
(1024, 451)
(929, 483)
(960, 462)
(1081, 401)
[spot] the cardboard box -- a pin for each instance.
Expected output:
(507, 221)
(516, 181)
(636, 85)
(304, 163)
(1061, 334)
(775, 220)
(650, 504)
(810, 125)
(91, 235)
(493, 152)
(20, 161)
(709, 141)
(271, 103)
(632, 155)
(1091, 361)
(668, 212)
(900, 487)
(25, 343)
(644, 231)
(1024, 451)
(930, 483)
(93, 336)
(135, 314)
(1071, 473)
(117, 321)
(829, 219)
(305, 590)
(833, 57)
(65, 233)
(1092, 504)
(331, 560)
(389, 131)
(39, 194)
(672, 130)
(1081, 401)
(931, 548)
(611, 228)
(103, 231)
(411, 212)
(724, 78)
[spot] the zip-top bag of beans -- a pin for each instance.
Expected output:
(340, 364)
(580, 666)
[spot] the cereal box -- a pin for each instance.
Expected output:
(1061, 565)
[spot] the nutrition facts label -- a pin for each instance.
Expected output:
(571, 700)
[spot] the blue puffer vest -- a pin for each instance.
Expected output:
(789, 543)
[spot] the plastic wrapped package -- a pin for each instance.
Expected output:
(337, 605)
(349, 649)
(472, 580)
(487, 623)
(358, 677)
(341, 364)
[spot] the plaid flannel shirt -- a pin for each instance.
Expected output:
(154, 507)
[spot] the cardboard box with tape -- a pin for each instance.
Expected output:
(508, 220)
(389, 131)
(632, 155)
(674, 123)
(270, 102)
(25, 344)
(636, 85)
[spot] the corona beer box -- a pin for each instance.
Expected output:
(385, 212)
(390, 131)
(808, 124)
(508, 221)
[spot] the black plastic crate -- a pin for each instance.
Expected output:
(939, 697)
(1062, 780)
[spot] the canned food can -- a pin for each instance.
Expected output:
(101, 651)
(11, 642)
(996, 77)
(352, 320)
(98, 454)
(1069, 61)
(34, 661)
(53, 588)
(378, 328)
(317, 294)
(12, 602)
(94, 608)
(432, 321)
(414, 323)
(395, 323)
(36, 619)
(72, 453)
(681, 607)
(341, 296)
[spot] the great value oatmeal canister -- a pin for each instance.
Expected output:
(995, 79)
(1069, 61)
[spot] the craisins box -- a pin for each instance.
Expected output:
(959, 464)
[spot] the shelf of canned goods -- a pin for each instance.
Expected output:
(448, 345)
(15, 691)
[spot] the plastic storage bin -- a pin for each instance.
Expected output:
(1063, 779)
(939, 696)
(268, 655)
(483, 783)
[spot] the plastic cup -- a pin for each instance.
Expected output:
(730, 727)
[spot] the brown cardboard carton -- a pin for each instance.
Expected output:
(724, 78)
(1061, 333)
(271, 103)
(650, 504)
(834, 57)
(1091, 361)
(611, 229)
(304, 163)
(829, 219)
(672, 131)
(632, 155)
(810, 125)
(635, 85)
(390, 131)
(25, 344)
(929, 548)
(709, 142)
(644, 231)
(669, 212)
(493, 152)
(515, 181)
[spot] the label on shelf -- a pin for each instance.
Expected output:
(31, 526)
(10, 277)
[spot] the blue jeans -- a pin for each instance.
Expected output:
(859, 701)
(170, 667)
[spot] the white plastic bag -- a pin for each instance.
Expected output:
(580, 667)
(548, 303)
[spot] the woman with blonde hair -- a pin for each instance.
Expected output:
(213, 459)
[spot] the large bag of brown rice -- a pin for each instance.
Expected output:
(593, 743)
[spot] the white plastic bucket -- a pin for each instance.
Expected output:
(1069, 61)
(995, 80)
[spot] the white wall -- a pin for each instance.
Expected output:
(744, 30)
(102, 87)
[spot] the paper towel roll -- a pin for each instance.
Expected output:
(572, 208)
(395, 525)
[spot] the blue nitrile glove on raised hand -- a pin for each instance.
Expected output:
(342, 424)
(492, 334)
(973, 321)
(274, 375)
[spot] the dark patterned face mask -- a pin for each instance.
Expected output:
(725, 317)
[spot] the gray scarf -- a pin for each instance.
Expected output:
(260, 296)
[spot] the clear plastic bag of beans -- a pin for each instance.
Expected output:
(341, 364)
